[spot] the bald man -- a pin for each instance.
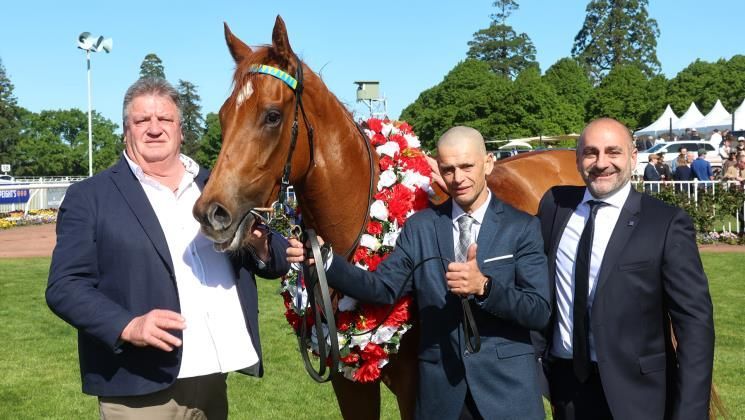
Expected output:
(624, 266)
(502, 276)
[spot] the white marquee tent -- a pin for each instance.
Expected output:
(718, 117)
(662, 124)
(739, 114)
(688, 119)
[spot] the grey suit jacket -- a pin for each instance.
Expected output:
(650, 277)
(501, 377)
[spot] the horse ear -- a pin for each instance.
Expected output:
(280, 42)
(238, 49)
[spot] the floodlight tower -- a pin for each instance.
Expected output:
(90, 43)
(368, 92)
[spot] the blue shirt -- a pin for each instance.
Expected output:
(701, 169)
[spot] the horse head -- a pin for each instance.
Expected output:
(272, 92)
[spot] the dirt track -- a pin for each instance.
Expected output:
(27, 241)
(38, 241)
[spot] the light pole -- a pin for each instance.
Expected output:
(90, 43)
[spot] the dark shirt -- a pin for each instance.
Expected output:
(650, 173)
(683, 173)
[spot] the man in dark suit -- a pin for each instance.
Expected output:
(161, 316)
(502, 274)
(624, 266)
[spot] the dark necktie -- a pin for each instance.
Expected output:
(464, 237)
(580, 339)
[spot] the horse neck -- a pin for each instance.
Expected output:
(334, 195)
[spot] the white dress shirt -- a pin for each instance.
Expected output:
(477, 215)
(216, 338)
(605, 222)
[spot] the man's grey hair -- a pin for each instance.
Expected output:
(460, 135)
(150, 86)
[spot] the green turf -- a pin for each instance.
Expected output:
(40, 379)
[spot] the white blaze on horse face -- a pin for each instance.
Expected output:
(246, 91)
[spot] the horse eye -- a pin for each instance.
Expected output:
(273, 117)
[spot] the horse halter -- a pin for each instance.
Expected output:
(316, 278)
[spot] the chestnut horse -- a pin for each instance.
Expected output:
(331, 172)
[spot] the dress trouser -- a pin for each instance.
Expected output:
(572, 399)
(200, 397)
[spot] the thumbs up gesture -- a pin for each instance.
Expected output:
(465, 278)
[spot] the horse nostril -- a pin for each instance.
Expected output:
(219, 217)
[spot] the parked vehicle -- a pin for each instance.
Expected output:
(671, 150)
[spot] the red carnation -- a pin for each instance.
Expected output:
(400, 313)
(402, 143)
(373, 352)
(368, 372)
(350, 359)
(421, 200)
(375, 125)
(344, 319)
(372, 262)
(405, 127)
(378, 140)
(359, 254)
(374, 228)
(400, 203)
(385, 162)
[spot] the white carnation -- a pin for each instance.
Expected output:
(389, 239)
(413, 179)
(412, 140)
(384, 334)
(389, 148)
(347, 303)
(370, 242)
(360, 340)
(386, 179)
(379, 211)
(388, 129)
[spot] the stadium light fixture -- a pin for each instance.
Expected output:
(90, 43)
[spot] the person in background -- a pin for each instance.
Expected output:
(666, 174)
(651, 174)
(702, 168)
(162, 317)
(730, 161)
(682, 173)
(683, 152)
(626, 271)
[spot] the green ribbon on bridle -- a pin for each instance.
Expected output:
(275, 72)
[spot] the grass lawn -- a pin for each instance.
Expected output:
(40, 377)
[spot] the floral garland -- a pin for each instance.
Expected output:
(403, 188)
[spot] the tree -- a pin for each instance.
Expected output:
(626, 95)
(571, 82)
(192, 120)
(152, 66)
(506, 51)
(533, 108)
(617, 32)
(211, 142)
(56, 143)
(10, 118)
(466, 96)
(703, 83)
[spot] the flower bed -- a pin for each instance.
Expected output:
(34, 217)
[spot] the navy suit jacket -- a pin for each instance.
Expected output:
(502, 376)
(111, 264)
(651, 276)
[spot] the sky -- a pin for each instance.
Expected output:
(407, 45)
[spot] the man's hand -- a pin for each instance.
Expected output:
(257, 239)
(465, 278)
(296, 252)
(152, 328)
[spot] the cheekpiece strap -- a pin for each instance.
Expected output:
(275, 72)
